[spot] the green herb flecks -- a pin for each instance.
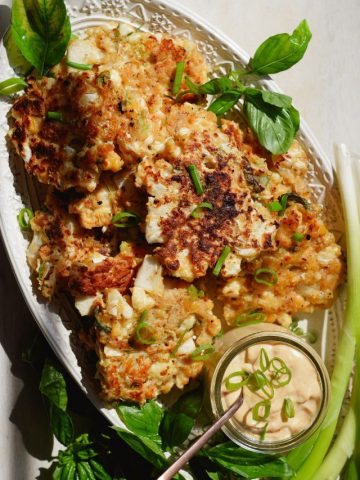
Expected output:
(125, 220)
(12, 85)
(79, 66)
(252, 317)
(196, 213)
(195, 292)
(195, 178)
(144, 332)
(266, 276)
(202, 353)
(58, 116)
(179, 71)
(24, 218)
(224, 254)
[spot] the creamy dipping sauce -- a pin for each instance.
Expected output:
(290, 401)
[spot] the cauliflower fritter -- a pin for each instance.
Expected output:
(65, 255)
(110, 114)
(308, 273)
(145, 352)
(236, 218)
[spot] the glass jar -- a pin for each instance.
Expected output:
(240, 339)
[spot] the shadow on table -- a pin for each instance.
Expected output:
(17, 328)
(5, 14)
(29, 414)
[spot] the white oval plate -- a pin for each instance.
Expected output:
(17, 188)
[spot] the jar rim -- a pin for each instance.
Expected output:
(215, 391)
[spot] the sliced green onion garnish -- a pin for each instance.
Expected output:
(260, 273)
(195, 178)
(196, 213)
(195, 292)
(180, 67)
(12, 85)
(125, 219)
(264, 360)
(261, 410)
(101, 326)
(220, 334)
(79, 66)
(249, 318)
(259, 381)
(226, 251)
(275, 206)
(263, 432)
(24, 217)
(41, 270)
(144, 332)
(288, 409)
(203, 352)
(298, 237)
(55, 116)
(231, 386)
(178, 343)
(282, 375)
(309, 336)
(277, 364)
(103, 78)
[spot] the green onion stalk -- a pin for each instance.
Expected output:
(314, 466)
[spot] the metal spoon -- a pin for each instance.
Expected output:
(202, 440)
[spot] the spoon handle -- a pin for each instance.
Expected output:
(201, 441)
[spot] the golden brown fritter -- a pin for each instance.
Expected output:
(191, 245)
(111, 114)
(139, 363)
(308, 273)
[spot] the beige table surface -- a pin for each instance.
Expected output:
(325, 88)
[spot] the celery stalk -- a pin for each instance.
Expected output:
(341, 450)
(351, 327)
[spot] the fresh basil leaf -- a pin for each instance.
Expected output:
(281, 51)
(99, 471)
(144, 446)
(16, 59)
(53, 386)
(273, 98)
(61, 425)
(274, 127)
(212, 87)
(41, 30)
(144, 421)
(246, 463)
(85, 471)
(190, 403)
(213, 475)
(224, 102)
(175, 428)
(67, 471)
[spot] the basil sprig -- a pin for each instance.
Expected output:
(271, 115)
(53, 387)
(41, 30)
(245, 463)
(281, 51)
